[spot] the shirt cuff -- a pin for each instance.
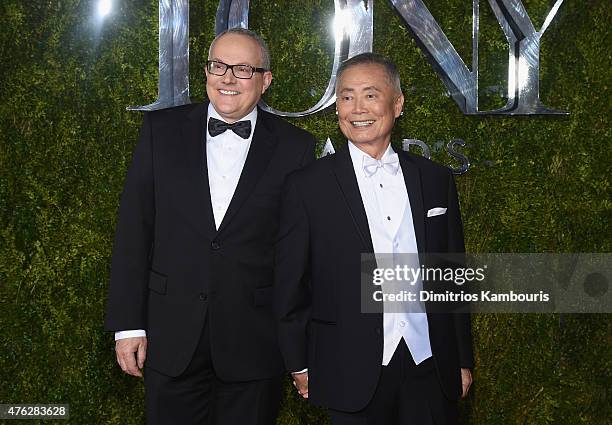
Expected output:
(301, 371)
(130, 334)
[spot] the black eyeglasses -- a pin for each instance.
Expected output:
(240, 71)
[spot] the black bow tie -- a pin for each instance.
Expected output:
(241, 128)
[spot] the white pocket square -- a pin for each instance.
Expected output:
(436, 211)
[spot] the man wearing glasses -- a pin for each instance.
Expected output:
(191, 276)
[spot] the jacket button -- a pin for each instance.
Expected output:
(215, 245)
(203, 296)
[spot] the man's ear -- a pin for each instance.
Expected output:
(399, 105)
(267, 80)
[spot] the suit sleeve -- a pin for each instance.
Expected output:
(309, 152)
(463, 323)
(292, 297)
(127, 298)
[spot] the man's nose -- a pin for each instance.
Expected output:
(359, 106)
(229, 77)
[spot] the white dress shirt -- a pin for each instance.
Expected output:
(226, 154)
(387, 207)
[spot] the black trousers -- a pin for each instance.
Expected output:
(199, 397)
(407, 394)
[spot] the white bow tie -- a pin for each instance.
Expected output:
(390, 164)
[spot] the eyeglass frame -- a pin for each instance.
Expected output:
(227, 66)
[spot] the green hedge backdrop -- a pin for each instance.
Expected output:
(537, 184)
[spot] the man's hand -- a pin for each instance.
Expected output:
(466, 381)
(300, 381)
(131, 354)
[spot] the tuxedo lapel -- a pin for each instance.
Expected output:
(345, 176)
(260, 152)
(412, 178)
(200, 212)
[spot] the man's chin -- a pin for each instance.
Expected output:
(362, 140)
(225, 105)
(226, 111)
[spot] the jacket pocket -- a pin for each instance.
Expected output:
(157, 282)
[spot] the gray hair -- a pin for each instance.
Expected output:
(263, 46)
(370, 58)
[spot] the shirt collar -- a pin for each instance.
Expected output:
(251, 116)
(357, 156)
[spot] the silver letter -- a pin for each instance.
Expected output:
(524, 40)
(524, 57)
(465, 162)
(353, 28)
(460, 81)
(173, 83)
(407, 142)
(232, 14)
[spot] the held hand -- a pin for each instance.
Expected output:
(131, 354)
(466, 381)
(300, 381)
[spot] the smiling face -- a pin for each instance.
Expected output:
(234, 98)
(368, 105)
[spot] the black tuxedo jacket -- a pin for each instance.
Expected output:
(324, 229)
(171, 269)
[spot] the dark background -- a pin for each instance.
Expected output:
(537, 184)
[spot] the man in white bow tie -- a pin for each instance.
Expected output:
(382, 368)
